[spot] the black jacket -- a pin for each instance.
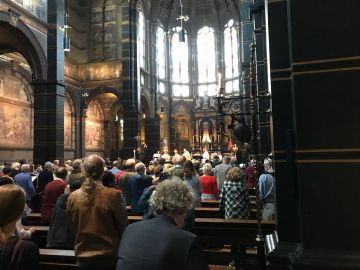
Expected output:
(158, 244)
(43, 179)
(60, 233)
(23, 254)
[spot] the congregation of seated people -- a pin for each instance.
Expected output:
(84, 202)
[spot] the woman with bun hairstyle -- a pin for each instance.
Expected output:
(14, 253)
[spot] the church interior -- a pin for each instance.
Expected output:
(251, 79)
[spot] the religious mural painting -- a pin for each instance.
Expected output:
(94, 72)
(67, 124)
(94, 132)
(37, 8)
(104, 31)
(15, 113)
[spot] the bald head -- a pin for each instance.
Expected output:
(93, 167)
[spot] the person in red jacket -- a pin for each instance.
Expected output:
(52, 192)
(209, 184)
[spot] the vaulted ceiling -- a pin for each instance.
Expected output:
(201, 12)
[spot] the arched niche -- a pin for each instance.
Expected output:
(183, 126)
(104, 124)
(116, 128)
(68, 123)
(94, 129)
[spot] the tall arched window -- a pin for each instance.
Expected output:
(141, 39)
(180, 65)
(206, 60)
(231, 55)
(160, 57)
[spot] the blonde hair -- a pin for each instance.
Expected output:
(172, 196)
(12, 203)
(234, 175)
(207, 168)
(93, 169)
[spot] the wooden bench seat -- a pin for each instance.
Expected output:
(57, 259)
(212, 232)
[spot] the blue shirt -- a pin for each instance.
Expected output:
(267, 187)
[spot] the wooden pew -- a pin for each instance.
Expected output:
(212, 231)
(210, 203)
(57, 259)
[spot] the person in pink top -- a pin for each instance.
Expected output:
(209, 184)
(52, 192)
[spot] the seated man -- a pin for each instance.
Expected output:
(160, 243)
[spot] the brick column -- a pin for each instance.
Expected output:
(49, 95)
(131, 95)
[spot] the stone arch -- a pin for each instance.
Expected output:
(145, 105)
(17, 37)
(107, 125)
(104, 89)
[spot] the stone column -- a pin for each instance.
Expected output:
(152, 137)
(131, 95)
(49, 95)
(314, 57)
(257, 11)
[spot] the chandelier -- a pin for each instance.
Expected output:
(182, 18)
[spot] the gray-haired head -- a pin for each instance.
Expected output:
(172, 197)
(48, 165)
(140, 167)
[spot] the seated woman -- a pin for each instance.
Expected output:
(208, 184)
(14, 252)
(166, 245)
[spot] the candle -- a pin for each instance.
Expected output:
(134, 154)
